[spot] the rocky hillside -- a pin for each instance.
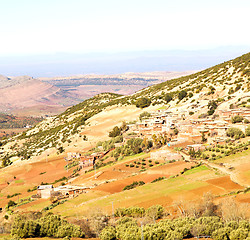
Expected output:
(227, 83)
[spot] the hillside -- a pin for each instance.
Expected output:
(20, 93)
(89, 85)
(227, 82)
(182, 144)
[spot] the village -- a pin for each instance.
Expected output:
(182, 131)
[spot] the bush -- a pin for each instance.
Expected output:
(49, 225)
(11, 204)
(168, 97)
(155, 212)
(235, 133)
(115, 132)
(247, 131)
(236, 119)
(212, 105)
(144, 115)
(246, 121)
(130, 212)
(60, 149)
(182, 94)
(221, 233)
(158, 179)
(143, 102)
(133, 185)
(108, 233)
(238, 234)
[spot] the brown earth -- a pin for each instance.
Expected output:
(225, 183)
(118, 185)
(19, 178)
(171, 168)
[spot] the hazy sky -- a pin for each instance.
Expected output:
(50, 26)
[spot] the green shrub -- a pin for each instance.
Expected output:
(235, 133)
(247, 132)
(239, 234)
(168, 97)
(133, 185)
(221, 233)
(182, 94)
(236, 119)
(143, 102)
(144, 115)
(155, 212)
(108, 233)
(115, 132)
(158, 179)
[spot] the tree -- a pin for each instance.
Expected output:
(168, 97)
(108, 233)
(247, 132)
(115, 132)
(149, 144)
(231, 211)
(235, 133)
(144, 115)
(182, 94)
(208, 206)
(11, 203)
(221, 233)
(236, 119)
(203, 138)
(143, 102)
(176, 131)
(60, 149)
(155, 212)
(98, 221)
(240, 233)
(212, 105)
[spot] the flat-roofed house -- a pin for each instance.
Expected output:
(45, 191)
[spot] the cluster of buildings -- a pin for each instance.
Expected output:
(190, 129)
(48, 191)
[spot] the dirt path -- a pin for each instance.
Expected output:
(231, 173)
(223, 169)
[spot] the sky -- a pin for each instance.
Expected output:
(30, 27)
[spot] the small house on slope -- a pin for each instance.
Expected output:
(45, 191)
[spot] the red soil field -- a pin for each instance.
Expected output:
(31, 173)
(171, 168)
(200, 191)
(117, 186)
(27, 175)
(224, 182)
(107, 175)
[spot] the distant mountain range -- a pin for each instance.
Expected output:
(66, 64)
